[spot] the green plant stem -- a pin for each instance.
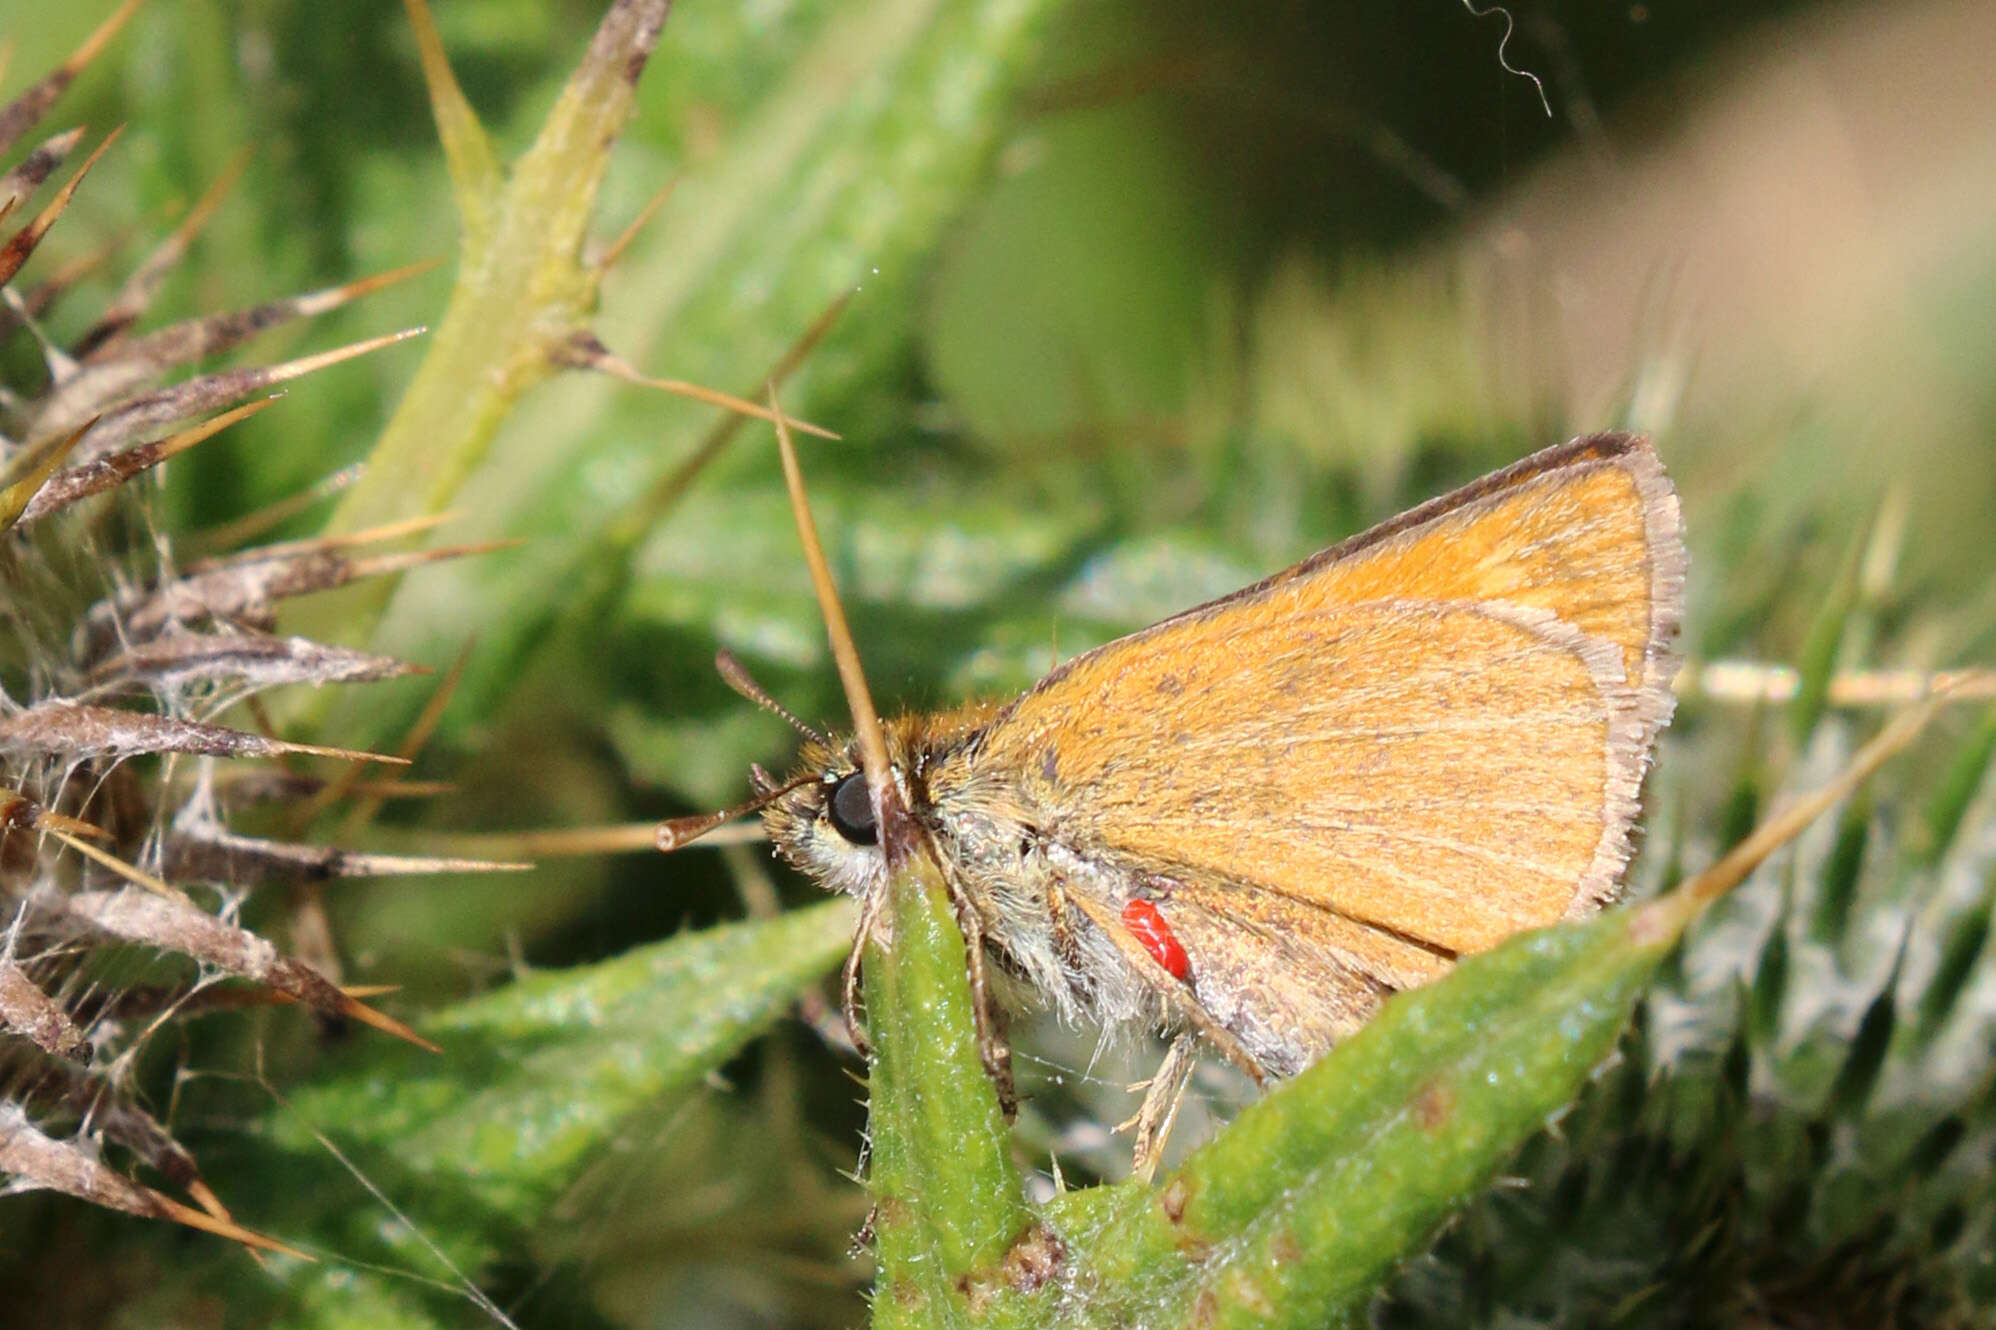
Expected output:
(951, 1221)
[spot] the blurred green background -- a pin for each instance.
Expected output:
(1220, 285)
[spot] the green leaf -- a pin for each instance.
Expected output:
(1296, 1213)
(523, 282)
(523, 289)
(1842, 871)
(1962, 945)
(1964, 776)
(1823, 645)
(474, 1144)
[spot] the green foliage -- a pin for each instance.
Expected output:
(535, 1081)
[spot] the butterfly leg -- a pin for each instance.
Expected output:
(992, 1047)
(869, 918)
(1164, 1092)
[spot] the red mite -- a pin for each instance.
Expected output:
(1146, 925)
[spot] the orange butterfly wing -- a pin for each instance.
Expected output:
(1428, 737)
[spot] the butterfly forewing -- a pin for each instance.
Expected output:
(1425, 739)
(1327, 757)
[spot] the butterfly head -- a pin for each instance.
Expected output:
(824, 827)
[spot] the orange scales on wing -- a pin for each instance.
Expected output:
(1428, 738)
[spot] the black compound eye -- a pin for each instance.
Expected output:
(851, 810)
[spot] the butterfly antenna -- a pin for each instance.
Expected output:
(736, 676)
(674, 833)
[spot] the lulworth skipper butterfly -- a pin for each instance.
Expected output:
(1254, 822)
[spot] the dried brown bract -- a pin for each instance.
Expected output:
(123, 678)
